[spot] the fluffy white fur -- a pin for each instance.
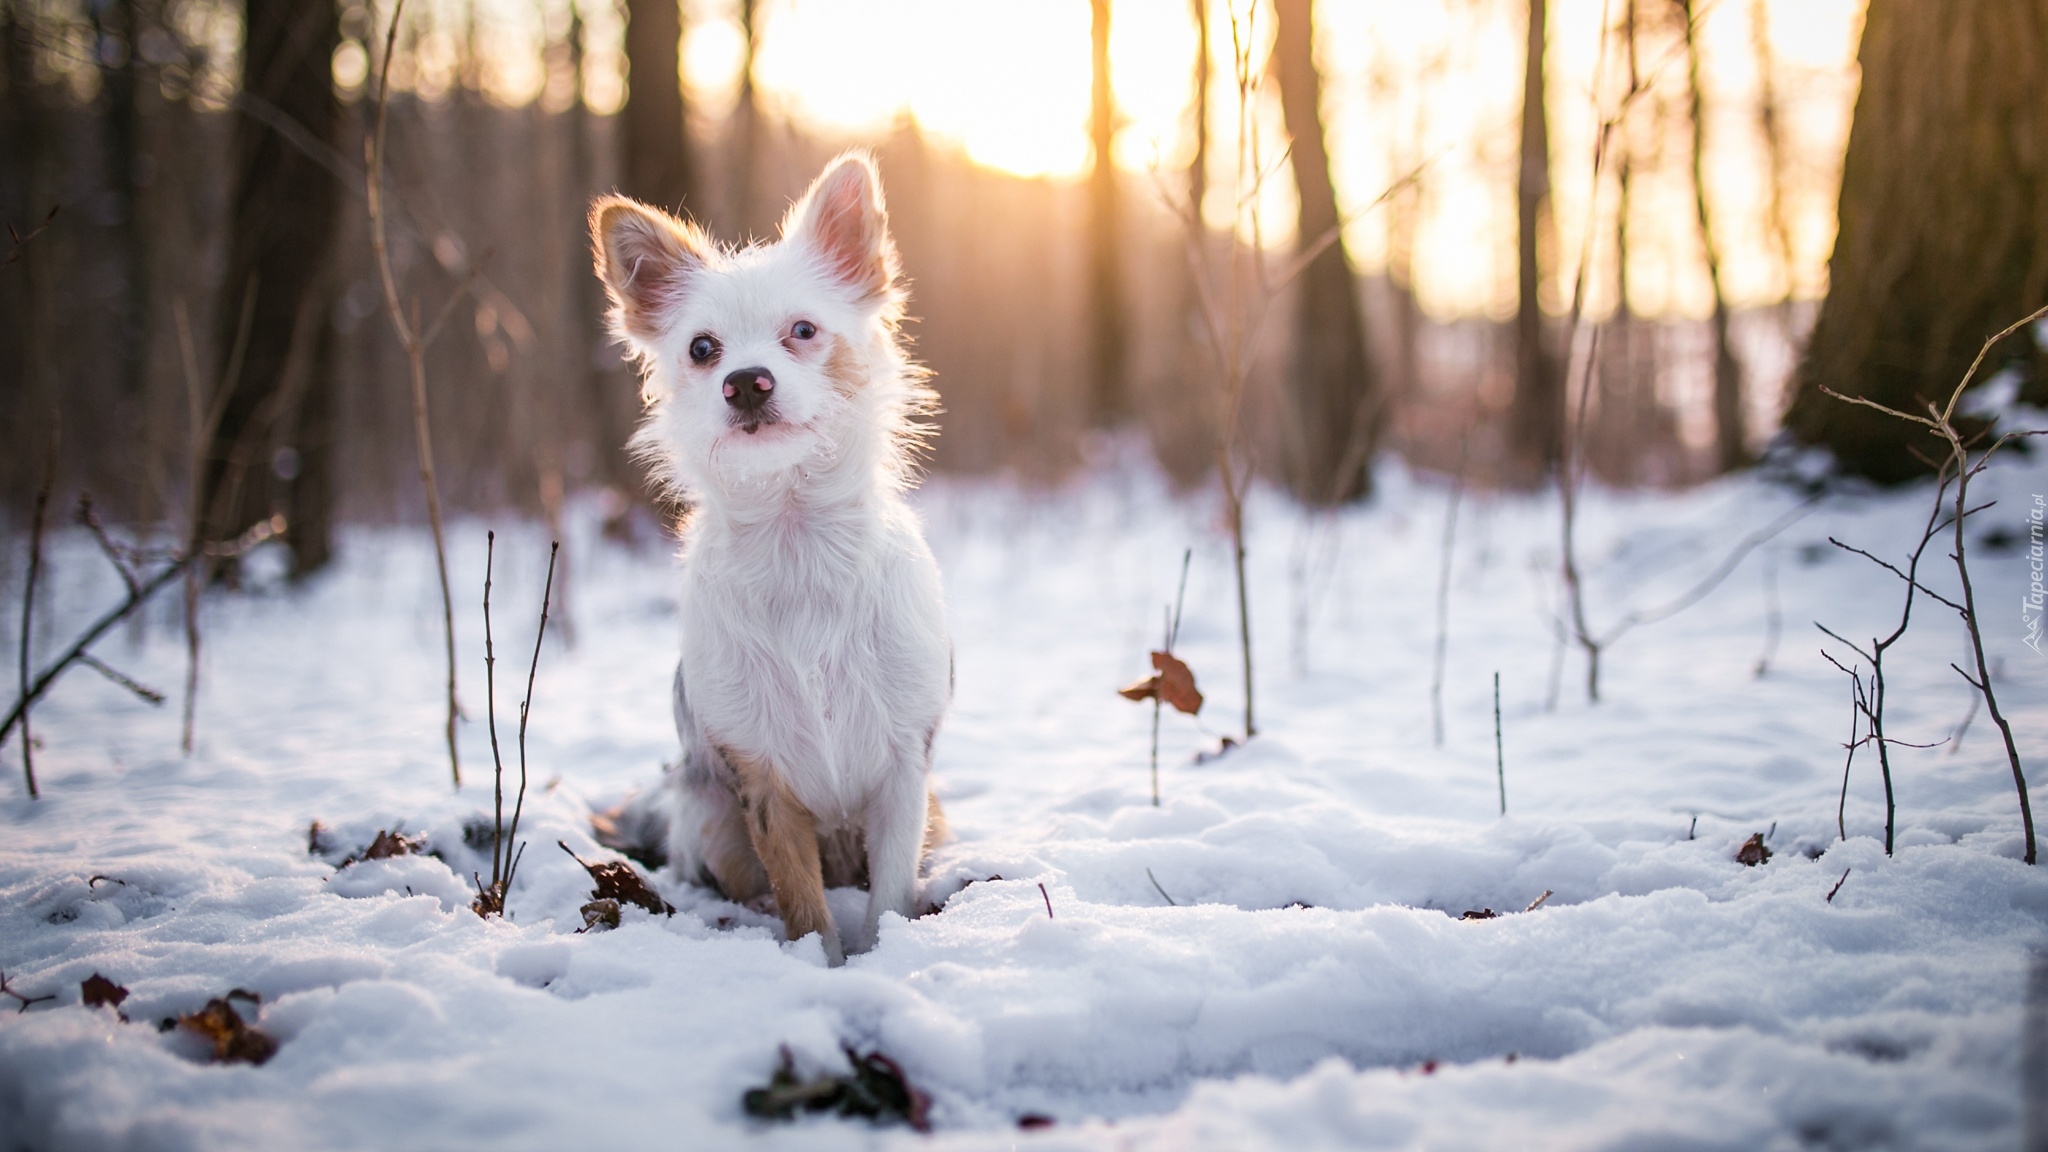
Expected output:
(814, 638)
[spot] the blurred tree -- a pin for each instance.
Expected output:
(1538, 414)
(1108, 391)
(746, 213)
(116, 24)
(1730, 449)
(1338, 409)
(655, 142)
(1942, 235)
(1198, 164)
(24, 399)
(271, 451)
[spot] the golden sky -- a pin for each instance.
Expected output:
(1406, 81)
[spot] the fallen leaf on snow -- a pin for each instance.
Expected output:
(1753, 852)
(617, 881)
(97, 991)
(233, 1040)
(386, 845)
(876, 1089)
(599, 915)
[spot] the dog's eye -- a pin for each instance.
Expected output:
(702, 349)
(803, 330)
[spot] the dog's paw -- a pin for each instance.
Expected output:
(764, 904)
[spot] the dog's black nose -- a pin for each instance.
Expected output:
(749, 388)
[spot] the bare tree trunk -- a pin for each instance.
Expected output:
(1769, 126)
(1109, 392)
(1943, 223)
(284, 215)
(21, 145)
(1539, 379)
(116, 26)
(1198, 167)
(745, 214)
(1622, 396)
(655, 137)
(1336, 401)
(1731, 450)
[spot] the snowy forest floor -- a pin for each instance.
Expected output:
(1310, 986)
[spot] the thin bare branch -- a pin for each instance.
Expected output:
(162, 578)
(28, 603)
(409, 336)
(1713, 579)
(143, 691)
(1894, 570)
(89, 517)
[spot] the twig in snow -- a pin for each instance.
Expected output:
(1774, 617)
(1500, 759)
(1234, 324)
(1443, 592)
(1538, 902)
(1940, 422)
(505, 851)
(1869, 699)
(1172, 634)
(1855, 718)
(204, 412)
(1838, 885)
(414, 341)
(1956, 738)
(1171, 902)
(1048, 898)
(25, 1000)
(147, 694)
(490, 898)
(75, 654)
(28, 602)
(526, 705)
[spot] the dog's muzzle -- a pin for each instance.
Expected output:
(748, 393)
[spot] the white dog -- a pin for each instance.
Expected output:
(782, 408)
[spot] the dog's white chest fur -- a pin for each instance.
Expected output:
(815, 637)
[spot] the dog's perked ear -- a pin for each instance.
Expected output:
(645, 258)
(843, 221)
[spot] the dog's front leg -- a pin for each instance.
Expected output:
(895, 842)
(785, 837)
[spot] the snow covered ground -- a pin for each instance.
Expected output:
(1310, 986)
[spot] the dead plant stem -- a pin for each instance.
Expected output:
(28, 597)
(410, 338)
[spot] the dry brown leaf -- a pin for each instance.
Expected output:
(877, 1090)
(616, 880)
(1177, 683)
(232, 1039)
(1173, 683)
(387, 845)
(1753, 852)
(96, 991)
(1144, 689)
(599, 915)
